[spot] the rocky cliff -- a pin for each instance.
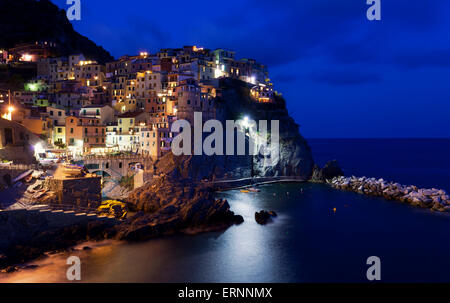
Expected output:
(293, 159)
(24, 21)
(179, 200)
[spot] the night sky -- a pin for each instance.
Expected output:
(342, 75)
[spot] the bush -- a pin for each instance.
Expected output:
(127, 182)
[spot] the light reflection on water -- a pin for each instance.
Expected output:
(308, 242)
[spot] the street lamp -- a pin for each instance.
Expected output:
(245, 122)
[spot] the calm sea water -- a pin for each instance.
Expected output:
(422, 162)
(309, 241)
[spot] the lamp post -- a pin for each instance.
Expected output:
(246, 125)
(8, 115)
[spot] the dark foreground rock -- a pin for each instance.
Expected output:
(166, 206)
(27, 235)
(263, 217)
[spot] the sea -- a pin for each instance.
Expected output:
(320, 234)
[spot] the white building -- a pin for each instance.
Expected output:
(103, 112)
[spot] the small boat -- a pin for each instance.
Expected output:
(244, 191)
(255, 190)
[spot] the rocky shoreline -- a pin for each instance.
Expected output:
(27, 235)
(434, 199)
(162, 207)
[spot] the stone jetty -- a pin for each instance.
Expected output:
(434, 199)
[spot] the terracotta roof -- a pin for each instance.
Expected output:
(130, 114)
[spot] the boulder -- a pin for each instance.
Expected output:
(169, 205)
(263, 217)
(329, 171)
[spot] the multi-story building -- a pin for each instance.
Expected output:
(104, 113)
(57, 115)
(191, 99)
(85, 134)
(124, 135)
(70, 100)
(156, 136)
(147, 82)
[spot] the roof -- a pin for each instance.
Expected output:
(130, 114)
(96, 106)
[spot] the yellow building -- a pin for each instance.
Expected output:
(58, 135)
(128, 121)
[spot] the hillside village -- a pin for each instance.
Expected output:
(80, 107)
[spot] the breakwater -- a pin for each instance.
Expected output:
(434, 199)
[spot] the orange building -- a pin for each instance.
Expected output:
(83, 134)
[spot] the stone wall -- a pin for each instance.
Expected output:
(16, 142)
(9, 174)
(81, 192)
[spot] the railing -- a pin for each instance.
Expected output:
(65, 209)
(115, 157)
(225, 184)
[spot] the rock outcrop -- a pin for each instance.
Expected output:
(263, 217)
(329, 171)
(168, 206)
(27, 21)
(434, 199)
(294, 157)
(29, 234)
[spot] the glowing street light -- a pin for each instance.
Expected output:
(8, 115)
(245, 122)
(26, 58)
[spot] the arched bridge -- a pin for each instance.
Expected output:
(116, 167)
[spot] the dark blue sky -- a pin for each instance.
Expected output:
(342, 75)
